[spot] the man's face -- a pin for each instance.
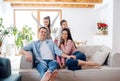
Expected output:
(42, 34)
(64, 25)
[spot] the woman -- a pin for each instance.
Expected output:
(47, 23)
(68, 47)
(63, 24)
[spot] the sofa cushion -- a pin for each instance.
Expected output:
(89, 50)
(100, 55)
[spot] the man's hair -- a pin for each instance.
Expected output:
(42, 28)
(61, 22)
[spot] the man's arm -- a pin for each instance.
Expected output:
(27, 54)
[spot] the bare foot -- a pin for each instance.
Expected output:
(46, 76)
(54, 75)
(90, 67)
(60, 66)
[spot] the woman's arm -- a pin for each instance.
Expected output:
(36, 20)
(54, 20)
(68, 47)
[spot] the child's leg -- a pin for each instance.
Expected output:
(63, 61)
(58, 58)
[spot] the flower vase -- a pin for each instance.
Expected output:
(104, 32)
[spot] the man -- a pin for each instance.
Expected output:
(43, 51)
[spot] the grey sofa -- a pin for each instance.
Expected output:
(110, 70)
(5, 71)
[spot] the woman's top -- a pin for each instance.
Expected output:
(69, 48)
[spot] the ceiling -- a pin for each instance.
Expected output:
(55, 3)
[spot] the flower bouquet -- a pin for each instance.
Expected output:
(103, 28)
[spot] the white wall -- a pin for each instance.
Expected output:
(6, 12)
(116, 25)
(1, 8)
(82, 21)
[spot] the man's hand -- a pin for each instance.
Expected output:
(28, 56)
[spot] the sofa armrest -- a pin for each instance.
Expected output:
(114, 59)
(25, 64)
(5, 67)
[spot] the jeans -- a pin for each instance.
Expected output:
(51, 66)
(73, 64)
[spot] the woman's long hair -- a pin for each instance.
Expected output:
(68, 38)
(48, 18)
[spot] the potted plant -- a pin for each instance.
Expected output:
(102, 27)
(54, 32)
(24, 36)
(4, 31)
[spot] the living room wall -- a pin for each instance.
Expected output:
(82, 21)
(116, 25)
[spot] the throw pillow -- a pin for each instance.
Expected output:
(100, 56)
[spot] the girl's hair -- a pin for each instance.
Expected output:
(69, 36)
(61, 22)
(48, 18)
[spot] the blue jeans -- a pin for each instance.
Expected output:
(73, 64)
(51, 66)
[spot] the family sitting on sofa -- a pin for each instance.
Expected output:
(44, 52)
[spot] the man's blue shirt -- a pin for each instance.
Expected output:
(34, 48)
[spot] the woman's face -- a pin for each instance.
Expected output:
(64, 35)
(46, 22)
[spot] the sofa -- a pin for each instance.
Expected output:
(5, 71)
(109, 70)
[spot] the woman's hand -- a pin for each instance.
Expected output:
(73, 56)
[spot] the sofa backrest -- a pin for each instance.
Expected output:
(90, 50)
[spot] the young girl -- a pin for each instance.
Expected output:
(47, 23)
(68, 47)
(63, 24)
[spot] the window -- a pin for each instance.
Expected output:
(24, 17)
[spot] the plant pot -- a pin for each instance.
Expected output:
(0, 46)
(104, 32)
(0, 43)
